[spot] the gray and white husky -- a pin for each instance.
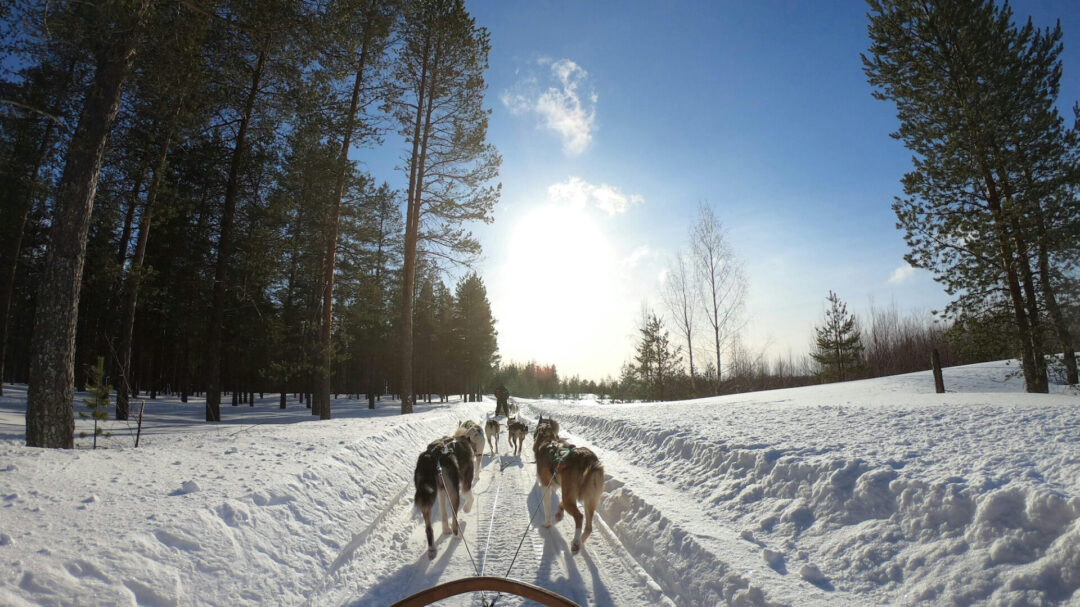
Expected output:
(493, 429)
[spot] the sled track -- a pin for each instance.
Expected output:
(387, 560)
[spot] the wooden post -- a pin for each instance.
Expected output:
(935, 362)
(138, 432)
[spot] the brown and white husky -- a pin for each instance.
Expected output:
(470, 431)
(576, 469)
(492, 429)
(516, 431)
(444, 470)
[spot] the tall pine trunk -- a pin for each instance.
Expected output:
(1061, 325)
(221, 272)
(412, 228)
(50, 418)
(325, 345)
(131, 290)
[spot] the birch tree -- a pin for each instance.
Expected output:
(720, 280)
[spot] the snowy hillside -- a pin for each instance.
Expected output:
(870, 492)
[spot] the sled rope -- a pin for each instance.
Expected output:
(522, 541)
(442, 480)
(491, 522)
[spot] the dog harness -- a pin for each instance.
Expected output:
(559, 455)
(442, 444)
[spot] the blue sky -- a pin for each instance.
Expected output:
(615, 120)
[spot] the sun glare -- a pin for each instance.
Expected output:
(560, 278)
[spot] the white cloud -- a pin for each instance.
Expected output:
(901, 274)
(580, 193)
(567, 107)
(631, 261)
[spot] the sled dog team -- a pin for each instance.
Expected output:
(447, 469)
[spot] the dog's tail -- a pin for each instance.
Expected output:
(592, 480)
(425, 478)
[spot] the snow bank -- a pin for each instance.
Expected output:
(234, 517)
(873, 492)
(951, 499)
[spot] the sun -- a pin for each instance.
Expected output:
(558, 276)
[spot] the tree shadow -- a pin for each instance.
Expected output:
(166, 414)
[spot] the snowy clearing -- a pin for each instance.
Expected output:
(868, 492)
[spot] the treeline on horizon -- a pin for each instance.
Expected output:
(176, 176)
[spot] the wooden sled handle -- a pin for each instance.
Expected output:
(487, 582)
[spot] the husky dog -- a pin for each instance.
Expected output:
(517, 430)
(576, 469)
(443, 470)
(547, 422)
(512, 411)
(471, 432)
(492, 429)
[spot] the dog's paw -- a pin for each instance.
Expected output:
(431, 552)
(575, 547)
(558, 516)
(547, 524)
(446, 530)
(457, 531)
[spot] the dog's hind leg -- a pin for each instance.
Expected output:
(545, 495)
(569, 503)
(444, 507)
(431, 550)
(591, 492)
(455, 500)
(447, 491)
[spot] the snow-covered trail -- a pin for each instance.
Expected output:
(387, 561)
(869, 492)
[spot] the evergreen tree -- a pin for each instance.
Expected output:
(838, 342)
(476, 334)
(657, 362)
(98, 403)
(50, 400)
(993, 163)
(362, 42)
(440, 68)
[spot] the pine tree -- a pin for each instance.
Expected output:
(98, 403)
(476, 334)
(362, 52)
(50, 400)
(975, 96)
(838, 342)
(656, 360)
(440, 67)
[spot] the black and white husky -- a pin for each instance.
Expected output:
(470, 431)
(444, 470)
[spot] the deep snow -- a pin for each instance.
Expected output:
(868, 492)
